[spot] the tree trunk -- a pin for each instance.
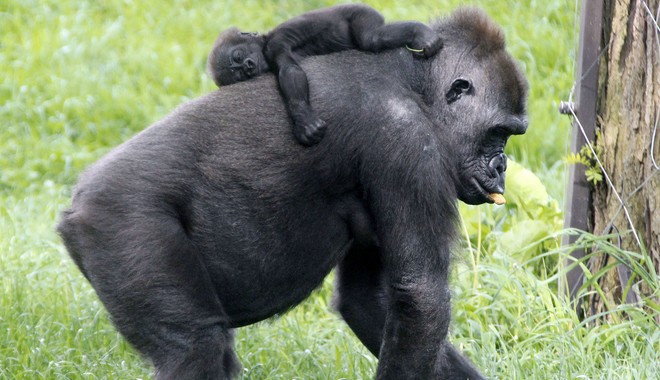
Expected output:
(627, 115)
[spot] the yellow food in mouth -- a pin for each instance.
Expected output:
(497, 198)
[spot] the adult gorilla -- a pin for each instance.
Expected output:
(214, 218)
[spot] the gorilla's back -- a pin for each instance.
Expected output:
(240, 192)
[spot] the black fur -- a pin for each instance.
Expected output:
(238, 56)
(201, 223)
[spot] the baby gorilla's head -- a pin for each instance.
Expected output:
(236, 56)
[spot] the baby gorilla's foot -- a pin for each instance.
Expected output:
(425, 44)
(309, 130)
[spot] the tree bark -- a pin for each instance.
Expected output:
(627, 115)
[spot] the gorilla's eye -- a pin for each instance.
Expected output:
(458, 88)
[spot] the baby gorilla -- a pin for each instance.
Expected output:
(238, 56)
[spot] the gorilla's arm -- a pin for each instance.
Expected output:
(405, 168)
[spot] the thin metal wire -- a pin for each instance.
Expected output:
(607, 178)
(630, 195)
(655, 131)
(654, 20)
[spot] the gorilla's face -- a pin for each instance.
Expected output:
(481, 173)
(485, 105)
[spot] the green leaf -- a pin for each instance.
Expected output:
(521, 235)
(523, 187)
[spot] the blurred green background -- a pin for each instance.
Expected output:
(80, 77)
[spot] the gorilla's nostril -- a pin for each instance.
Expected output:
(497, 164)
(502, 166)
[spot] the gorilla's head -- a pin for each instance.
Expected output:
(480, 102)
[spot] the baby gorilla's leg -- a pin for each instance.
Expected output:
(308, 129)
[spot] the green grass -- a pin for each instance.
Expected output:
(79, 77)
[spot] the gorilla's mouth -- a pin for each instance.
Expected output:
(485, 192)
(263, 66)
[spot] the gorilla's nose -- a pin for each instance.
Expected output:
(250, 66)
(249, 63)
(497, 167)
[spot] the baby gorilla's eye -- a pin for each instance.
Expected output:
(237, 56)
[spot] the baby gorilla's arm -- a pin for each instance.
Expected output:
(329, 30)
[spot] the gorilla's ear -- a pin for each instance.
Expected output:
(459, 87)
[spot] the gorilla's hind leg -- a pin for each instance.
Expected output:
(155, 287)
(211, 357)
(360, 295)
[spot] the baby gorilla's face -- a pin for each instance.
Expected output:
(241, 58)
